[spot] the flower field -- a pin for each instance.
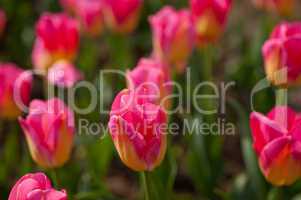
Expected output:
(150, 99)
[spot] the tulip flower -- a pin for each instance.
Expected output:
(282, 7)
(35, 186)
(90, 13)
(15, 90)
(122, 15)
(151, 74)
(209, 18)
(64, 74)
(57, 38)
(2, 21)
(281, 54)
(136, 127)
(49, 131)
(173, 36)
(277, 142)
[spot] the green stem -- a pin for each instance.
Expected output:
(249, 156)
(281, 96)
(145, 183)
(276, 193)
(54, 177)
(206, 75)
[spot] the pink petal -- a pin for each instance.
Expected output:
(64, 74)
(272, 150)
(263, 130)
(284, 116)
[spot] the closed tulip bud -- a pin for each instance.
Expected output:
(49, 130)
(277, 142)
(122, 16)
(57, 38)
(2, 21)
(90, 13)
(64, 74)
(173, 36)
(151, 74)
(136, 128)
(209, 18)
(35, 186)
(15, 90)
(282, 7)
(281, 54)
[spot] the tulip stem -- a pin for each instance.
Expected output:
(281, 97)
(54, 177)
(145, 182)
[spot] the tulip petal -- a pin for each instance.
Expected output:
(292, 47)
(283, 116)
(64, 74)
(277, 163)
(264, 130)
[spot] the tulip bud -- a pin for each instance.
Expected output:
(64, 74)
(209, 18)
(151, 74)
(90, 13)
(136, 128)
(49, 130)
(35, 186)
(15, 89)
(277, 142)
(57, 38)
(2, 21)
(281, 54)
(282, 7)
(122, 16)
(173, 36)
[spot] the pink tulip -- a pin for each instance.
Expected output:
(57, 38)
(173, 36)
(15, 89)
(122, 15)
(49, 130)
(151, 75)
(277, 142)
(137, 129)
(2, 21)
(282, 7)
(90, 13)
(281, 54)
(209, 18)
(35, 187)
(64, 74)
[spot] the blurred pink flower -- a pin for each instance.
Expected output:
(90, 13)
(2, 21)
(15, 90)
(277, 142)
(209, 18)
(282, 7)
(281, 54)
(35, 186)
(136, 127)
(122, 16)
(151, 74)
(49, 130)
(57, 38)
(173, 36)
(64, 74)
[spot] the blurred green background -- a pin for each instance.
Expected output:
(202, 168)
